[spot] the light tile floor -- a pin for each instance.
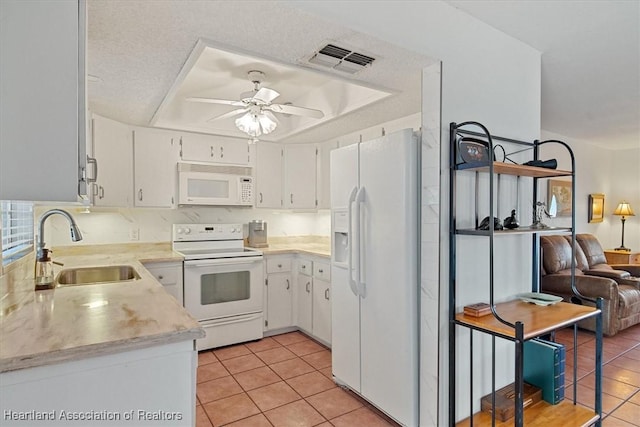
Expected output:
(285, 380)
(279, 381)
(620, 374)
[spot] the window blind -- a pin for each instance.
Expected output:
(17, 229)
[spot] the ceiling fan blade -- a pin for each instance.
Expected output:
(298, 111)
(217, 101)
(229, 114)
(266, 95)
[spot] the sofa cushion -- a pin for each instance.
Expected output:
(592, 249)
(628, 300)
(581, 258)
(556, 254)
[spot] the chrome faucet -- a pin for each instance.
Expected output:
(75, 231)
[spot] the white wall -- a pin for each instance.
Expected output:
(612, 172)
(489, 77)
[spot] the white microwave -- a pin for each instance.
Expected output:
(214, 185)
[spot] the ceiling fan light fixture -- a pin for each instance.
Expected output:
(249, 124)
(268, 122)
(258, 124)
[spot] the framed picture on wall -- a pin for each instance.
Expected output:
(561, 191)
(596, 207)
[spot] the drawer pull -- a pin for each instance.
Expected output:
(161, 277)
(279, 265)
(320, 270)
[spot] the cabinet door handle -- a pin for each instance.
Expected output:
(94, 190)
(288, 284)
(320, 270)
(211, 150)
(94, 162)
(140, 194)
(160, 277)
(291, 198)
(304, 266)
(101, 192)
(307, 287)
(221, 151)
(279, 265)
(326, 294)
(260, 197)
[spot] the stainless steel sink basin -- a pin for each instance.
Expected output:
(93, 275)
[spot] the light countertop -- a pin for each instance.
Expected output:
(76, 322)
(309, 245)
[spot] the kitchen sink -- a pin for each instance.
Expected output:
(94, 275)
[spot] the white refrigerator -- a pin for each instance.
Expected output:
(375, 272)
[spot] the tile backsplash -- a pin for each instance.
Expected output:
(117, 225)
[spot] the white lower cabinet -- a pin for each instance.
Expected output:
(132, 388)
(279, 293)
(305, 303)
(313, 299)
(169, 274)
(322, 310)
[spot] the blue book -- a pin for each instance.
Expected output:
(544, 366)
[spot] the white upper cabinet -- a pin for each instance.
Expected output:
(113, 151)
(269, 175)
(43, 100)
(214, 149)
(300, 162)
(155, 155)
(323, 174)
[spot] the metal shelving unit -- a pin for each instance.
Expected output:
(517, 321)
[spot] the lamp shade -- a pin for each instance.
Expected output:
(624, 209)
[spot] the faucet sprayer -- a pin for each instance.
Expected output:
(43, 274)
(75, 231)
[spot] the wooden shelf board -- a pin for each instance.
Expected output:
(519, 230)
(542, 414)
(537, 319)
(511, 169)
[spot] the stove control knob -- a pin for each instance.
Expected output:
(187, 230)
(179, 231)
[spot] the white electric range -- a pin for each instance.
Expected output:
(223, 282)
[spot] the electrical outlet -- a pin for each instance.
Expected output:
(134, 234)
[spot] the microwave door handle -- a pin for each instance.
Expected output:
(224, 261)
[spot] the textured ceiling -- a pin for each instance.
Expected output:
(590, 62)
(138, 48)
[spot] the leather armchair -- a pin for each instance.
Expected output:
(621, 301)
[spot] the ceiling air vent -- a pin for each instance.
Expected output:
(340, 58)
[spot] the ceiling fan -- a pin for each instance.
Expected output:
(257, 107)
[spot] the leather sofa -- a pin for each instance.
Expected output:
(618, 285)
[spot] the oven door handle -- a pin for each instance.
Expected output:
(238, 319)
(224, 261)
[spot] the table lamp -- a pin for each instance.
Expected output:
(623, 209)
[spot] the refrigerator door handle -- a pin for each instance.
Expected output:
(359, 201)
(352, 283)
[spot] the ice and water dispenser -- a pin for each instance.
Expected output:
(340, 236)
